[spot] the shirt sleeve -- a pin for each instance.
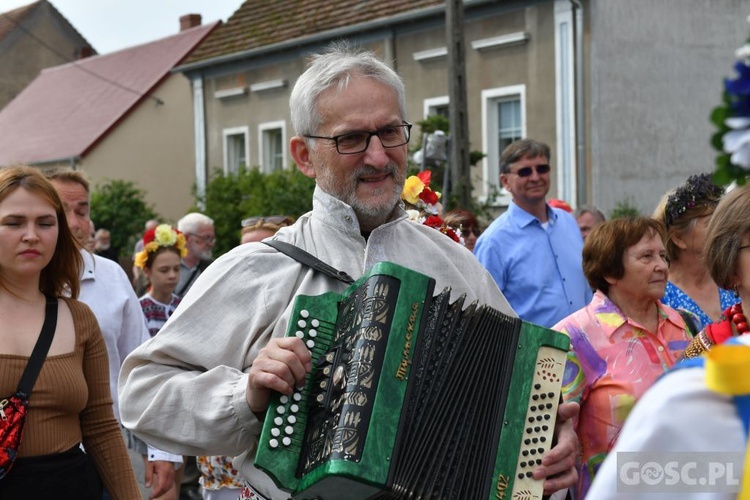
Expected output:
(101, 433)
(184, 391)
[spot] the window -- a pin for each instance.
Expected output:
(272, 146)
(503, 121)
(436, 106)
(236, 149)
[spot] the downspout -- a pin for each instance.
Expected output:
(580, 107)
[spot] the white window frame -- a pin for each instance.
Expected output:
(434, 102)
(491, 162)
(245, 131)
(263, 142)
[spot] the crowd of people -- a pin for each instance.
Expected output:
(181, 360)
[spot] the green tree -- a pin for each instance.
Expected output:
(120, 207)
(231, 198)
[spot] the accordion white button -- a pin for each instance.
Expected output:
(275, 432)
(284, 399)
(273, 443)
(294, 408)
(304, 313)
(286, 441)
(280, 410)
(292, 419)
(289, 429)
(278, 420)
(310, 344)
(313, 333)
(300, 334)
(297, 396)
(315, 323)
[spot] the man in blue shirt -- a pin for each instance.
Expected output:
(533, 250)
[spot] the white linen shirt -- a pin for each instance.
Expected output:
(106, 289)
(677, 414)
(184, 390)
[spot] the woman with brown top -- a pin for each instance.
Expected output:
(70, 402)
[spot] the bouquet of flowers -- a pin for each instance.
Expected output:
(732, 118)
(422, 204)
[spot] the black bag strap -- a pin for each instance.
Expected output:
(309, 260)
(39, 354)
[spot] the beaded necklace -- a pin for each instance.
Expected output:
(735, 314)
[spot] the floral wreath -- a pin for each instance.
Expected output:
(698, 190)
(732, 118)
(163, 236)
(421, 204)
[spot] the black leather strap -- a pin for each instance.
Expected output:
(39, 354)
(309, 260)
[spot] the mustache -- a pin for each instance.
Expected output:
(366, 170)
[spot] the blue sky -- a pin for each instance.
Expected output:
(111, 25)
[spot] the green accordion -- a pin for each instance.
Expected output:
(413, 396)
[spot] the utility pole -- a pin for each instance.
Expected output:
(460, 179)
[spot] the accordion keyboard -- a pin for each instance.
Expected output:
(540, 418)
(290, 418)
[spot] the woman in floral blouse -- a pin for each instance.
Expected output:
(624, 339)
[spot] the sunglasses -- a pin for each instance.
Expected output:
(527, 171)
(275, 220)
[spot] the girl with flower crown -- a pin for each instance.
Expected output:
(160, 259)
(163, 250)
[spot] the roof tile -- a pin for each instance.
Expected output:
(258, 23)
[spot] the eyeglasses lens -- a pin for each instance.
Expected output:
(527, 171)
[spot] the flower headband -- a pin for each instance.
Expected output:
(698, 191)
(163, 236)
(420, 199)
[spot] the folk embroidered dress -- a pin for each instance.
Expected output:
(613, 360)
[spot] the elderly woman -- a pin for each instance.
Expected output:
(624, 339)
(686, 213)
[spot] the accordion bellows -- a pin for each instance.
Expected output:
(413, 396)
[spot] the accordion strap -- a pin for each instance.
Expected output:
(309, 260)
(38, 355)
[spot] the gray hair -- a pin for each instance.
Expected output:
(590, 209)
(193, 221)
(334, 69)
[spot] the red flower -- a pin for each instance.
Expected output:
(149, 236)
(451, 234)
(434, 221)
(425, 176)
(428, 196)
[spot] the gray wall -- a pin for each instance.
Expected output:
(656, 72)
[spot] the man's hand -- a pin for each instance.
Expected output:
(160, 474)
(558, 465)
(280, 366)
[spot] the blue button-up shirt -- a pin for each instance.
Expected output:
(538, 270)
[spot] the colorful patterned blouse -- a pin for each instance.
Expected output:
(674, 297)
(217, 472)
(157, 313)
(613, 360)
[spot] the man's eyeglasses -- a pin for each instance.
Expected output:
(205, 239)
(276, 220)
(527, 171)
(353, 143)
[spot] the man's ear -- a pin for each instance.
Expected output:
(504, 181)
(301, 154)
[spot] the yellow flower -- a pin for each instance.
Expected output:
(181, 245)
(165, 236)
(412, 188)
(141, 258)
